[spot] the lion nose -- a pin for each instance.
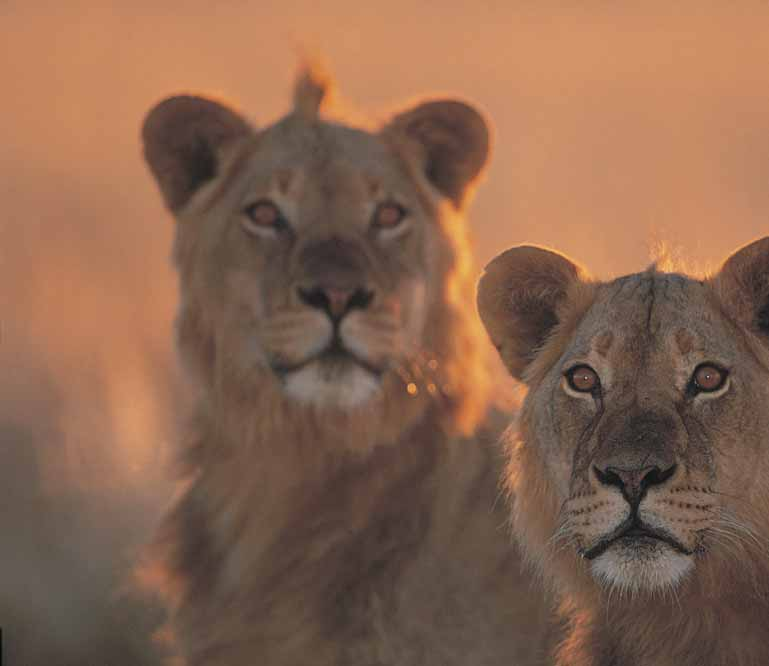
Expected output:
(336, 302)
(633, 483)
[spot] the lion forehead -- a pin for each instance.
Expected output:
(652, 314)
(320, 146)
(312, 173)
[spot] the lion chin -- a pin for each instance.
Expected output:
(641, 565)
(335, 380)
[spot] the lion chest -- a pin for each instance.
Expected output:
(371, 570)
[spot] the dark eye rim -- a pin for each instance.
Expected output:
(569, 375)
(404, 212)
(694, 386)
(280, 224)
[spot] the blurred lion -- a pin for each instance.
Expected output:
(342, 466)
(640, 467)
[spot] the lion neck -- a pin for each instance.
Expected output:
(266, 468)
(255, 424)
(718, 617)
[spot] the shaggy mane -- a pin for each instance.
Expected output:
(312, 90)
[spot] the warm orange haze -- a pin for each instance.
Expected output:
(613, 129)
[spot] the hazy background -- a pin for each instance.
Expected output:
(615, 127)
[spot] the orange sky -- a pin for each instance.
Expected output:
(614, 128)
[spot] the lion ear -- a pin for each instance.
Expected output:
(742, 286)
(183, 137)
(453, 143)
(519, 298)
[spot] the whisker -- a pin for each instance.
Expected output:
(728, 537)
(744, 531)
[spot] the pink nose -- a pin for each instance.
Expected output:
(336, 301)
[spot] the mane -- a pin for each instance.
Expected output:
(312, 88)
(668, 258)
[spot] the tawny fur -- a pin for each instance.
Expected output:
(311, 533)
(644, 334)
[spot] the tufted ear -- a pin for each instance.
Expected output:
(453, 141)
(183, 137)
(519, 298)
(742, 286)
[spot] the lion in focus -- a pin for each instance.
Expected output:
(342, 474)
(639, 465)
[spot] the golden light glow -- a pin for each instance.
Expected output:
(614, 127)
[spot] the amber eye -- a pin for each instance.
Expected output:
(708, 378)
(388, 215)
(583, 378)
(263, 215)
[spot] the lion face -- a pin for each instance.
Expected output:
(641, 420)
(311, 250)
(323, 265)
(642, 411)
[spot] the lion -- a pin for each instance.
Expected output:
(341, 467)
(638, 462)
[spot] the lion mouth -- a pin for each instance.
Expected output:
(635, 534)
(335, 358)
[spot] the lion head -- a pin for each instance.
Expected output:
(640, 458)
(324, 269)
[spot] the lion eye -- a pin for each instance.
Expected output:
(261, 216)
(583, 378)
(388, 215)
(708, 378)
